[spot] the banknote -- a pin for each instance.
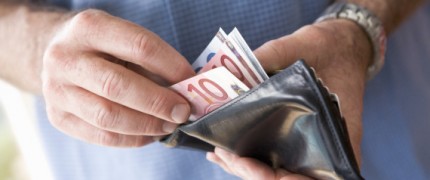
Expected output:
(233, 54)
(237, 38)
(207, 53)
(209, 90)
(223, 59)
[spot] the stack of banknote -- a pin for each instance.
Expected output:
(225, 69)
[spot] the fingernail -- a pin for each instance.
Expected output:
(169, 127)
(180, 113)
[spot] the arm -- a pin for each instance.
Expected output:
(25, 32)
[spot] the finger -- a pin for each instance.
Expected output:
(76, 127)
(282, 174)
(246, 168)
(239, 167)
(279, 53)
(102, 32)
(308, 43)
(215, 159)
(113, 117)
(293, 177)
(116, 83)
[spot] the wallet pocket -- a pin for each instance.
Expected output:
(290, 121)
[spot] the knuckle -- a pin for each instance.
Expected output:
(106, 116)
(56, 58)
(48, 93)
(113, 82)
(107, 138)
(183, 71)
(55, 118)
(86, 18)
(276, 46)
(52, 90)
(85, 24)
(53, 53)
(144, 46)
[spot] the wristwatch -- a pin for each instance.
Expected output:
(369, 22)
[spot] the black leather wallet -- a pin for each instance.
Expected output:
(290, 121)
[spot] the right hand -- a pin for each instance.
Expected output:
(104, 81)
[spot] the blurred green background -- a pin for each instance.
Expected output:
(8, 151)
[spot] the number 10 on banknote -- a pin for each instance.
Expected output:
(210, 90)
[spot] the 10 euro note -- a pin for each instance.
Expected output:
(222, 59)
(224, 51)
(210, 90)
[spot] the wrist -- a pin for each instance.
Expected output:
(30, 29)
(350, 40)
(369, 23)
(42, 25)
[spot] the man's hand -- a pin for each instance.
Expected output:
(104, 81)
(340, 53)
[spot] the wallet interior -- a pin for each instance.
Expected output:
(290, 121)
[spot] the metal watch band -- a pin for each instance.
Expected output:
(370, 24)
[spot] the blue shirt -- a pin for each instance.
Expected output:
(395, 104)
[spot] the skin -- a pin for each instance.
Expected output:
(115, 82)
(114, 74)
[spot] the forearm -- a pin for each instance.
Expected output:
(391, 12)
(358, 50)
(25, 31)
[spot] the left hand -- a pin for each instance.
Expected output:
(340, 52)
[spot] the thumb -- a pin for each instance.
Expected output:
(279, 53)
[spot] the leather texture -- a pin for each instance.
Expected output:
(290, 121)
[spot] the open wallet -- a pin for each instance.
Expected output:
(290, 121)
